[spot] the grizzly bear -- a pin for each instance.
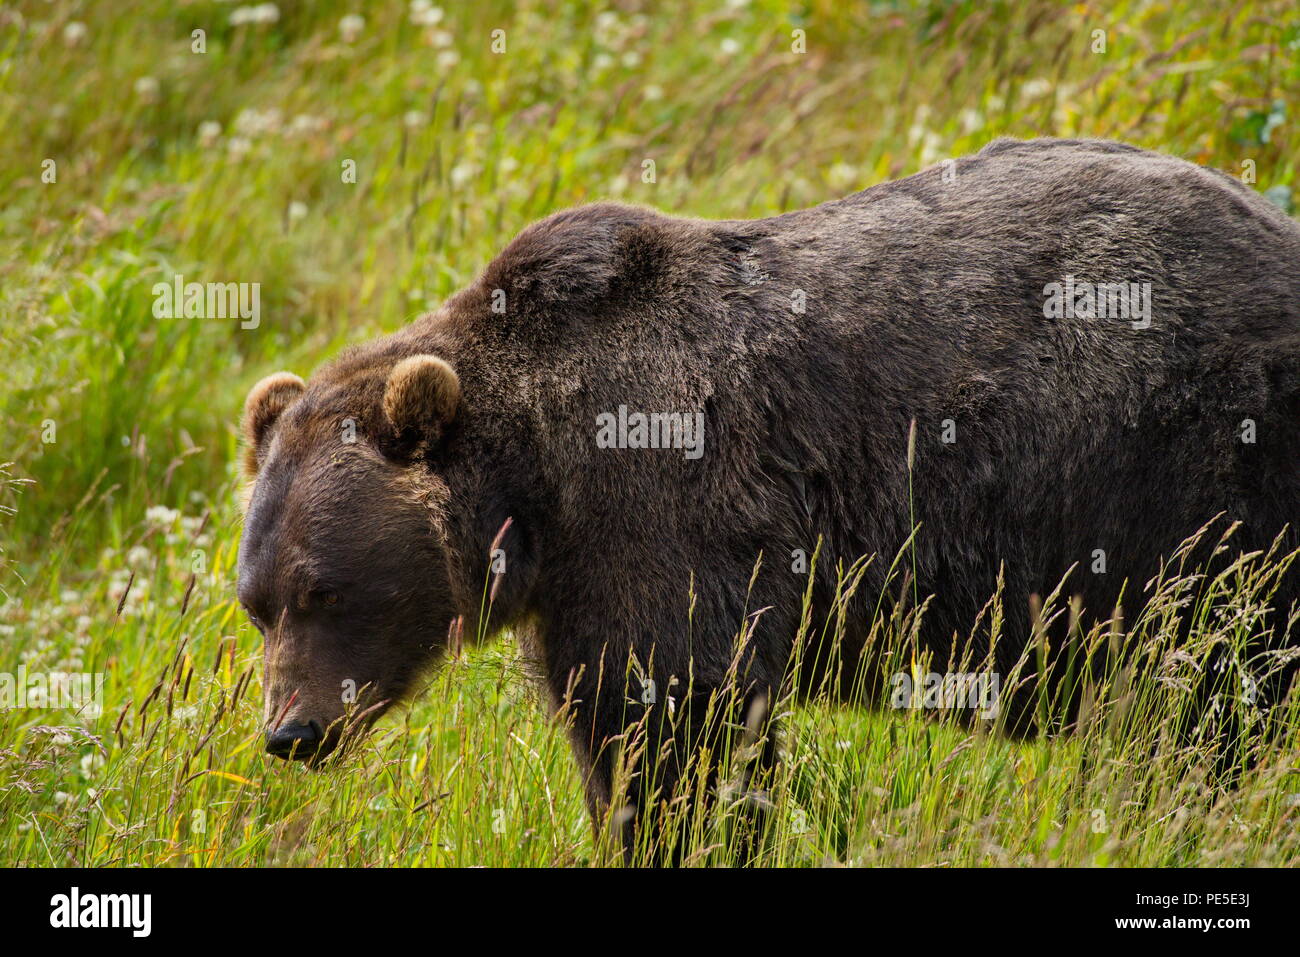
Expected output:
(613, 442)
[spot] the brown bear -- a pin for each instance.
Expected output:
(1027, 357)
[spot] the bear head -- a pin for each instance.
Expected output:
(342, 562)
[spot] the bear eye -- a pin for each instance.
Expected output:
(327, 596)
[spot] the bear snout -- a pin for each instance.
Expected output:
(297, 742)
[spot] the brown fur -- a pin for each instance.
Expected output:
(924, 303)
(262, 407)
(422, 393)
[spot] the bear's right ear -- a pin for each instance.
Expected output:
(420, 399)
(265, 402)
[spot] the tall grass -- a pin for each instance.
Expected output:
(118, 514)
(173, 773)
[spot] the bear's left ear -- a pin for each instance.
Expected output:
(420, 398)
(265, 402)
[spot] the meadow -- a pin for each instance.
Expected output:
(362, 162)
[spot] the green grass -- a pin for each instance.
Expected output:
(457, 148)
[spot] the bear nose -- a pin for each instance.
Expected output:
(298, 742)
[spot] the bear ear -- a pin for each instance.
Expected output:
(265, 402)
(420, 398)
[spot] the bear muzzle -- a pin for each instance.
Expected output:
(298, 742)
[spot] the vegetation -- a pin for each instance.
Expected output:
(119, 508)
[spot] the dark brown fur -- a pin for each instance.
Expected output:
(924, 301)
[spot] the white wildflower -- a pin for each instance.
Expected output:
(74, 33)
(1036, 88)
(209, 130)
(147, 89)
(91, 762)
(261, 13)
(350, 27)
(160, 516)
(425, 14)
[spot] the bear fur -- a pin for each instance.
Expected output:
(874, 364)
